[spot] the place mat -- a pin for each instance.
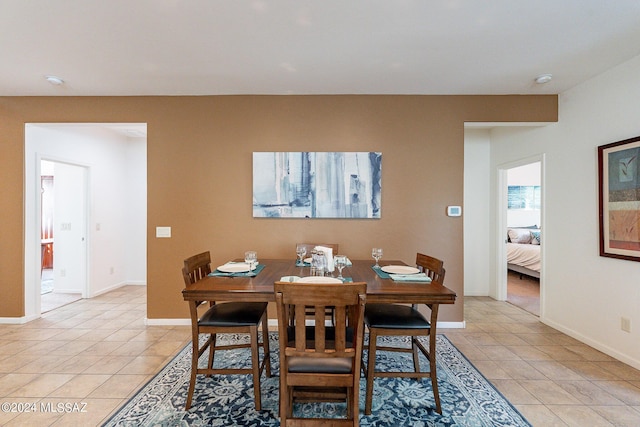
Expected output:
(381, 273)
(252, 273)
(303, 264)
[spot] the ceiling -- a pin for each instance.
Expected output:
(212, 47)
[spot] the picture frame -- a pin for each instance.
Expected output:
(619, 199)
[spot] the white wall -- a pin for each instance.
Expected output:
(117, 190)
(585, 294)
(476, 212)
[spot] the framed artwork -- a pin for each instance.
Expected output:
(619, 188)
(317, 184)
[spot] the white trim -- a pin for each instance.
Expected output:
(452, 325)
(17, 320)
(485, 125)
(167, 322)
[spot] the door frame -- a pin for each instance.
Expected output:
(500, 238)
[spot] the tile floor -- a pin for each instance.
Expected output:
(92, 355)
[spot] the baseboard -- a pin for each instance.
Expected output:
(167, 322)
(17, 320)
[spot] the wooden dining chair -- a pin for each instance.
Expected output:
(318, 361)
(229, 317)
(404, 320)
(309, 247)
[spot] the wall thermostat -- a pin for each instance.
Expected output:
(454, 210)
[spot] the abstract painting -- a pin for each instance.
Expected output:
(317, 184)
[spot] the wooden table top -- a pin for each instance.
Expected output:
(260, 287)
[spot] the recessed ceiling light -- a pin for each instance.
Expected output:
(54, 80)
(543, 78)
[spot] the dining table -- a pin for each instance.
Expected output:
(259, 288)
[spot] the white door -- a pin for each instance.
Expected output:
(70, 229)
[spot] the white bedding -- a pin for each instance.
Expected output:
(524, 255)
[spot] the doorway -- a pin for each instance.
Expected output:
(112, 157)
(521, 220)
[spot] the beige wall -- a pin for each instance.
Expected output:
(199, 175)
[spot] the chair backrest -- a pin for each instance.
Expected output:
(432, 267)
(301, 339)
(196, 267)
(310, 246)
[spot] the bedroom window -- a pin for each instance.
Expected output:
(523, 197)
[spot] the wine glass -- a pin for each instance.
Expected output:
(376, 253)
(340, 262)
(251, 258)
(301, 251)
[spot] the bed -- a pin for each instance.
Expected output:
(523, 251)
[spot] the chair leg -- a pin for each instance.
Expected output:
(265, 344)
(212, 353)
(371, 365)
(255, 364)
(194, 370)
(433, 374)
(416, 359)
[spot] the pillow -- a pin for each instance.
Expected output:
(535, 237)
(519, 235)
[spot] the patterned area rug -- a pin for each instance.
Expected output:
(468, 399)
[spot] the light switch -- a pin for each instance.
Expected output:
(454, 210)
(163, 232)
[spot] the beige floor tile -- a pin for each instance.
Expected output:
(622, 370)
(165, 348)
(540, 415)
(521, 370)
(621, 416)
(622, 390)
(131, 348)
(122, 335)
(144, 365)
(549, 392)
(42, 365)
(80, 386)
(77, 364)
(12, 382)
(529, 353)
(555, 370)
(579, 416)
(590, 370)
(119, 386)
(499, 352)
(515, 393)
(491, 370)
(14, 362)
(589, 393)
(41, 385)
(72, 348)
(110, 364)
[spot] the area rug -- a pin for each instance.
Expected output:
(467, 398)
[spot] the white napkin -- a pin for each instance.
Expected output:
(328, 254)
(419, 277)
